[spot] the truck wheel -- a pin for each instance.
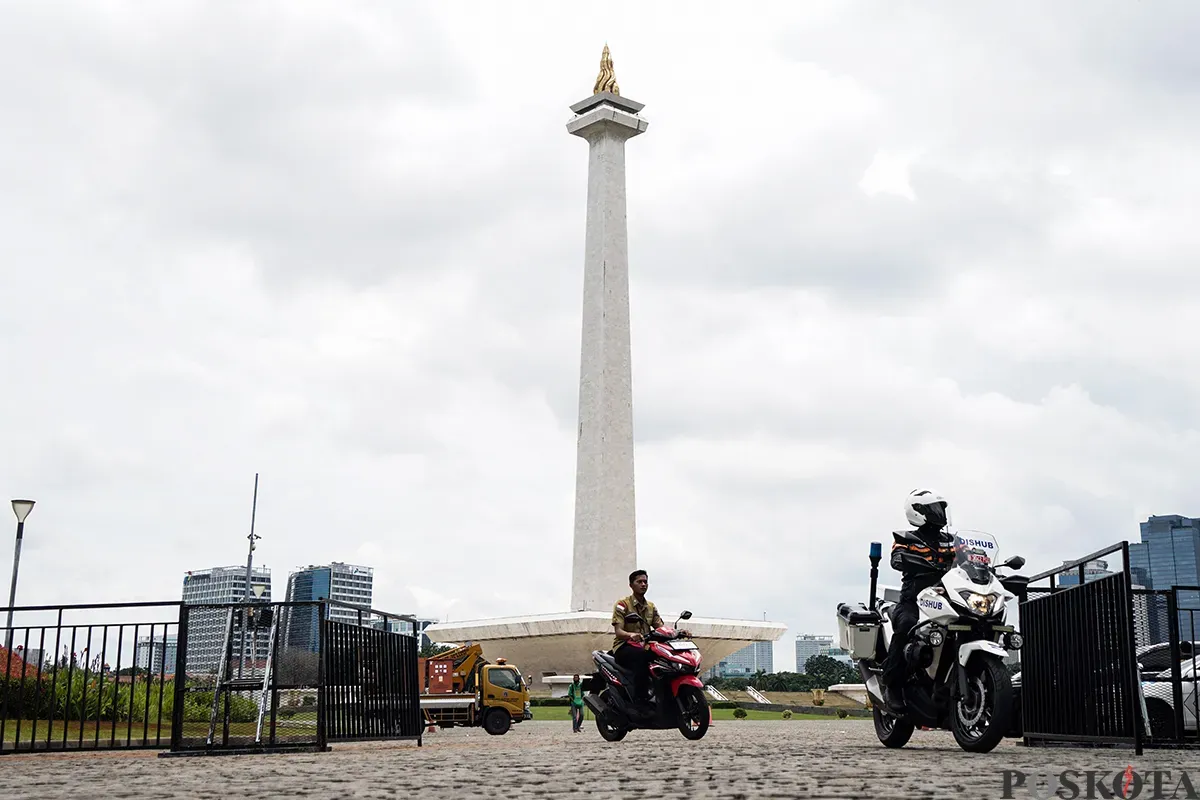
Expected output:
(497, 722)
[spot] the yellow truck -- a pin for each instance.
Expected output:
(460, 687)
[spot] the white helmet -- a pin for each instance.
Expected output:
(923, 506)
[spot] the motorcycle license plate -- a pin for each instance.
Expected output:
(683, 646)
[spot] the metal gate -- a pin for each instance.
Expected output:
(370, 689)
(1079, 674)
(249, 678)
(87, 677)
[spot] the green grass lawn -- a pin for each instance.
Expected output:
(562, 713)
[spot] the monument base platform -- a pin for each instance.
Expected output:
(547, 645)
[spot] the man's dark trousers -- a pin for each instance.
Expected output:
(637, 660)
(904, 617)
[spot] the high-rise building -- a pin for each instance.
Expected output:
(150, 653)
(1169, 556)
(206, 628)
(1092, 570)
(423, 639)
(751, 659)
(809, 645)
(344, 583)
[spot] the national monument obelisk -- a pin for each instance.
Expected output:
(605, 549)
(553, 646)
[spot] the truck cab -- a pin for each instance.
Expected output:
(501, 687)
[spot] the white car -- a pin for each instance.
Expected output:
(1158, 689)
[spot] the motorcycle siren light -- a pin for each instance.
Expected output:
(876, 550)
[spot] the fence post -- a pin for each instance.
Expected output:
(1176, 676)
(1130, 635)
(322, 691)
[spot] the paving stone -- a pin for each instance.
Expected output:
(737, 759)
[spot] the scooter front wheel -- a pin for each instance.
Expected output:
(695, 716)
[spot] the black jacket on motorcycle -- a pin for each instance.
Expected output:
(922, 557)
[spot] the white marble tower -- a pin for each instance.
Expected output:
(605, 549)
(554, 646)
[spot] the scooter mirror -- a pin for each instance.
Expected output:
(686, 615)
(1016, 562)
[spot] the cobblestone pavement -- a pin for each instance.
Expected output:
(737, 759)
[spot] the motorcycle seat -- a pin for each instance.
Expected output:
(611, 660)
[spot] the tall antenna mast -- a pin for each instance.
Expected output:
(249, 563)
(251, 537)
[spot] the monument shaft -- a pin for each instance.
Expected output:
(605, 545)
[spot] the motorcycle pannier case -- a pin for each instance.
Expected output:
(858, 630)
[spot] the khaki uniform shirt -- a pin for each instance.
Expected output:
(629, 605)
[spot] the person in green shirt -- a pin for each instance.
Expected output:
(575, 695)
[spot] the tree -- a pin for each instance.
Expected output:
(430, 650)
(828, 671)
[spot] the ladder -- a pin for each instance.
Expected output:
(226, 684)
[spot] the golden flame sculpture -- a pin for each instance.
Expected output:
(607, 80)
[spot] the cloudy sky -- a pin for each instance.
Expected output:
(873, 247)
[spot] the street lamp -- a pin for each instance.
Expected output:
(21, 508)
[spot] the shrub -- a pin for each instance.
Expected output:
(842, 713)
(739, 713)
(724, 704)
(549, 701)
(787, 714)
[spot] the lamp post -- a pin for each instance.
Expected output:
(21, 508)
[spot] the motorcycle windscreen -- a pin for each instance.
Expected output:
(975, 553)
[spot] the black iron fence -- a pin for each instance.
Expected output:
(1079, 675)
(206, 678)
(371, 688)
(81, 677)
(1168, 658)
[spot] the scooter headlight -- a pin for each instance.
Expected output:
(981, 604)
(1015, 641)
(936, 637)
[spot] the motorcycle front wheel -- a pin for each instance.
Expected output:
(981, 718)
(694, 718)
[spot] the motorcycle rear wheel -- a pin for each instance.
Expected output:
(694, 725)
(892, 731)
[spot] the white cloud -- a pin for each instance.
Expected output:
(342, 247)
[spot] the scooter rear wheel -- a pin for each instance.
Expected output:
(609, 732)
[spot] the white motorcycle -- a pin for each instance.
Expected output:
(956, 677)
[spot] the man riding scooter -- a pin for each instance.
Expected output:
(631, 633)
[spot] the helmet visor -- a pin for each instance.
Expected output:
(934, 513)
